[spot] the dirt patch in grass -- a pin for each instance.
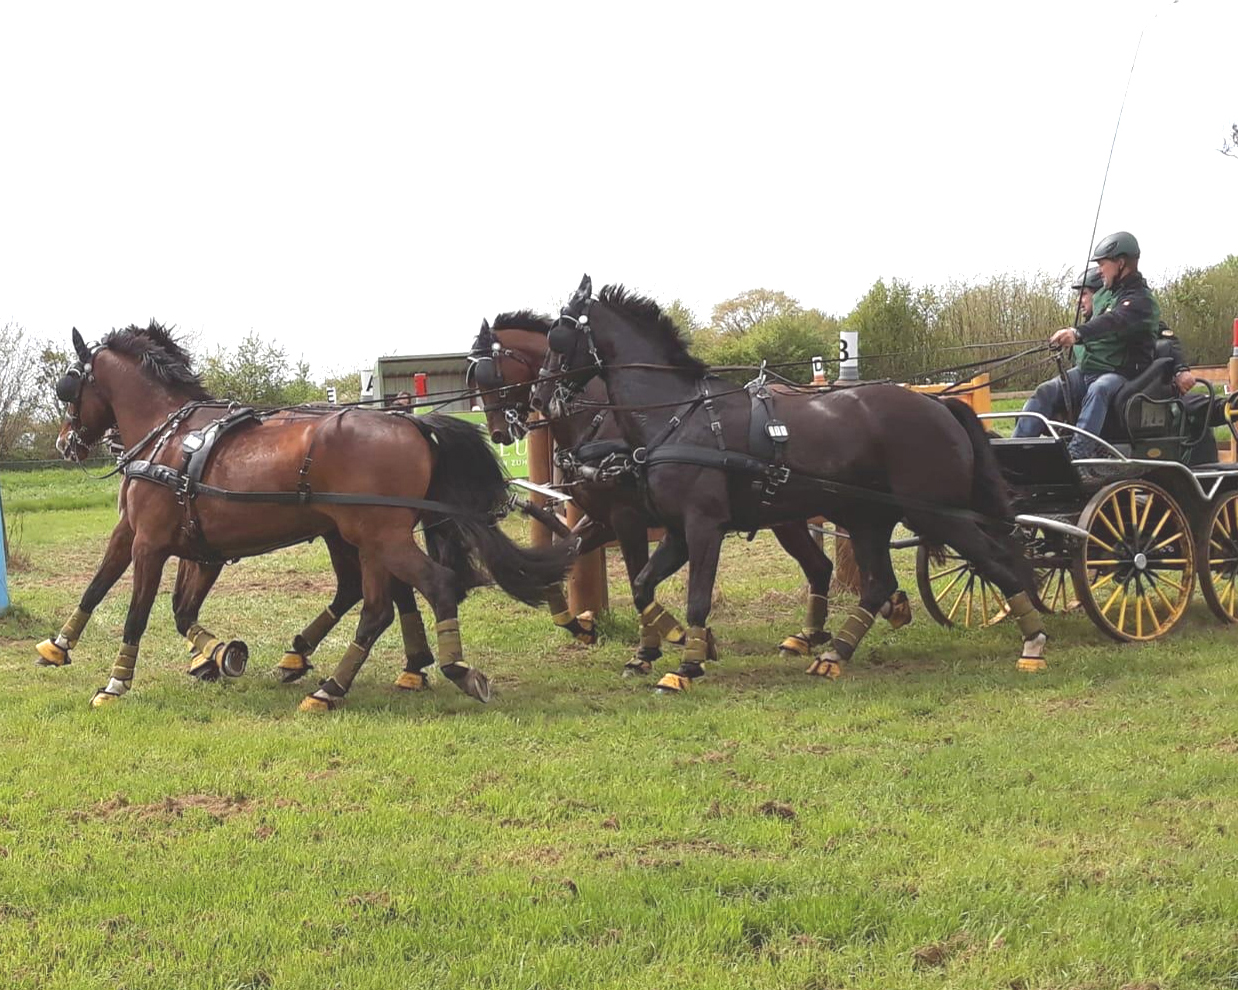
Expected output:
(777, 809)
(940, 953)
(219, 807)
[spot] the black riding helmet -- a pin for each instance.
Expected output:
(1090, 279)
(1115, 246)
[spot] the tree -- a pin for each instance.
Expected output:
(256, 373)
(682, 317)
(893, 322)
(18, 387)
(1230, 145)
(741, 313)
(790, 340)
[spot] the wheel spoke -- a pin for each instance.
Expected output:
(1147, 511)
(953, 570)
(954, 608)
(1168, 512)
(1108, 525)
(1165, 542)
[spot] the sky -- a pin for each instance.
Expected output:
(352, 180)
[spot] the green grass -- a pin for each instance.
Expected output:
(932, 820)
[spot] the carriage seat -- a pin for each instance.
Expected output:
(1131, 421)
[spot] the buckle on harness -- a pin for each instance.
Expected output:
(640, 455)
(779, 475)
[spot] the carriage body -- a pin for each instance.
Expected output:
(1125, 537)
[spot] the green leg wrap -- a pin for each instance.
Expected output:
(814, 620)
(1031, 623)
(699, 646)
(71, 632)
(346, 670)
(307, 641)
(413, 630)
(449, 649)
(126, 663)
(857, 624)
(556, 601)
(665, 624)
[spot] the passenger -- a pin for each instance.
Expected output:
(1117, 343)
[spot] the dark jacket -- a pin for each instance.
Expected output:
(1122, 332)
(1168, 344)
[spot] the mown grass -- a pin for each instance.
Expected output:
(934, 819)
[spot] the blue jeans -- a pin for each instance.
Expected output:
(1093, 392)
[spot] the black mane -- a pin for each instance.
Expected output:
(159, 355)
(524, 319)
(649, 316)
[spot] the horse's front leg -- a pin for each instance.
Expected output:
(704, 537)
(147, 569)
(208, 657)
(589, 534)
(668, 556)
(54, 652)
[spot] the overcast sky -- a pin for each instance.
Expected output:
(360, 179)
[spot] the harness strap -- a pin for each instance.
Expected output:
(715, 426)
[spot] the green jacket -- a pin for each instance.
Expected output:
(1122, 332)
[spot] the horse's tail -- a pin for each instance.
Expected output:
(990, 496)
(469, 476)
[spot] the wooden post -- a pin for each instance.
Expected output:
(541, 472)
(846, 572)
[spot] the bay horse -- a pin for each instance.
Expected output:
(504, 362)
(278, 478)
(864, 457)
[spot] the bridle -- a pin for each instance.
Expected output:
(69, 391)
(564, 339)
(485, 371)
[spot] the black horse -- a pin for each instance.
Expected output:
(504, 361)
(864, 457)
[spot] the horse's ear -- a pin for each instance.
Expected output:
(485, 326)
(586, 286)
(79, 345)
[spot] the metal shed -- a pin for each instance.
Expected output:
(444, 373)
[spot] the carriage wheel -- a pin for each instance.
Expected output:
(1136, 570)
(1218, 570)
(955, 594)
(1050, 562)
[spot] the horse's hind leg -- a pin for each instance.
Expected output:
(54, 651)
(376, 615)
(998, 562)
(798, 542)
(208, 657)
(417, 655)
(589, 534)
(295, 663)
(871, 542)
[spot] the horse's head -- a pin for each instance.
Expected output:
(503, 365)
(571, 358)
(88, 413)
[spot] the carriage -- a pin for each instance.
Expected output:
(1125, 537)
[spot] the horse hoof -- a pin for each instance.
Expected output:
(412, 680)
(586, 629)
(900, 610)
(674, 684)
(104, 697)
(1032, 665)
(315, 705)
(203, 668)
(293, 667)
(51, 655)
(795, 646)
(233, 658)
(825, 668)
(637, 668)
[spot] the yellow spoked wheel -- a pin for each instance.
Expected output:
(1218, 570)
(1136, 570)
(1050, 558)
(955, 594)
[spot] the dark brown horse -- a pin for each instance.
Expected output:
(277, 479)
(505, 360)
(864, 457)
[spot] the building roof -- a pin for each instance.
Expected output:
(394, 358)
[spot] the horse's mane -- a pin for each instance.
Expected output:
(524, 319)
(648, 316)
(159, 355)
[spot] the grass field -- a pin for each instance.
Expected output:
(932, 820)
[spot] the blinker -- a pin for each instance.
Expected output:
(485, 374)
(69, 388)
(561, 337)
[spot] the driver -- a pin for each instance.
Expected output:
(1118, 339)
